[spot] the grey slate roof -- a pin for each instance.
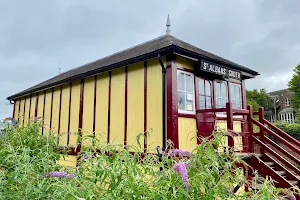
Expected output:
(144, 51)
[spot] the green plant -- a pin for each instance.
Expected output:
(291, 129)
(29, 171)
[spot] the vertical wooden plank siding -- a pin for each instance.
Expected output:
(109, 105)
(44, 105)
(135, 111)
(101, 117)
(117, 107)
(184, 63)
(22, 107)
(145, 107)
(59, 110)
(154, 104)
(40, 104)
(95, 102)
(126, 103)
(172, 102)
(55, 109)
(17, 106)
(74, 117)
(47, 111)
(187, 133)
(69, 112)
(14, 111)
(36, 104)
(80, 116)
(88, 109)
(32, 107)
(64, 115)
(26, 109)
(51, 108)
(29, 109)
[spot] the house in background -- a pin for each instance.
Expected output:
(284, 108)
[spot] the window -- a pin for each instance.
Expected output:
(221, 94)
(185, 90)
(287, 102)
(236, 96)
(205, 94)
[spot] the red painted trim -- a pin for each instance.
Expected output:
(187, 115)
(13, 115)
(44, 112)
(145, 107)
(59, 112)
(29, 107)
(69, 115)
(108, 112)
(51, 111)
(229, 114)
(172, 102)
(19, 109)
(185, 70)
(126, 102)
(24, 111)
(95, 103)
(80, 114)
(36, 104)
(81, 105)
(196, 87)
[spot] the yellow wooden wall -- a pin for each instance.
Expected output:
(21, 116)
(16, 114)
(101, 117)
(32, 107)
(64, 116)
(135, 103)
(187, 133)
(40, 107)
(117, 107)
(27, 107)
(47, 111)
(55, 109)
(154, 103)
(88, 109)
(74, 118)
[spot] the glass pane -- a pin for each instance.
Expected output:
(218, 103)
(202, 102)
(180, 81)
(217, 89)
(238, 92)
(207, 88)
(232, 91)
(190, 106)
(181, 100)
(201, 86)
(233, 102)
(189, 83)
(208, 102)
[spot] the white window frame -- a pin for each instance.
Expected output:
(220, 114)
(287, 102)
(234, 98)
(185, 91)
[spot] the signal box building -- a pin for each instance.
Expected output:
(166, 86)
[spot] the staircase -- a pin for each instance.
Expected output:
(268, 158)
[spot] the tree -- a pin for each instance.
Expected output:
(294, 85)
(260, 98)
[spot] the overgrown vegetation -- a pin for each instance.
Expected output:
(29, 170)
(291, 129)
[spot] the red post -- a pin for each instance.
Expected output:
(261, 131)
(250, 128)
(230, 123)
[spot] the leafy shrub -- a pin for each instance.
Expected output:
(291, 129)
(29, 171)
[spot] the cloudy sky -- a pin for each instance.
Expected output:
(38, 36)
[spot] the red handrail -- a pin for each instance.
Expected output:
(240, 111)
(277, 156)
(282, 133)
(283, 151)
(211, 110)
(275, 135)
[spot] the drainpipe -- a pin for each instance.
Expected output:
(163, 69)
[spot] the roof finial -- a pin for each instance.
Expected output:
(168, 25)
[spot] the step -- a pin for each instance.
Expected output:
(270, 164)
(281, 173)
(293, 183)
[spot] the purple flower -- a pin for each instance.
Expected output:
(56, 174)
(181, 169)
(36, 118)
(292, 197)
(179, 152)
(86, 156)
(70, 176)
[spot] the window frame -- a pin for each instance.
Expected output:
(287, 102)
(231, 97)
(180, 111)
(211, 96)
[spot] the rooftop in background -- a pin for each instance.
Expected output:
(162, 45)
(279, 92)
